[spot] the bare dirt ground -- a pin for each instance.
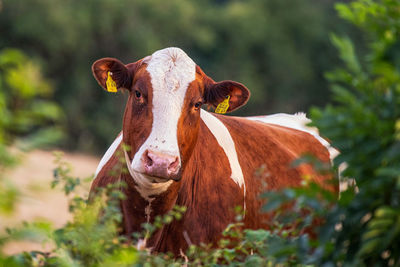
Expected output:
(38, 200)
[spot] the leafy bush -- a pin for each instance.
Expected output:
(364, 126)
(27, 114)
(27, 117)
(92, 237)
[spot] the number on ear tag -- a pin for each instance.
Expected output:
(111, 85)
(223, 106)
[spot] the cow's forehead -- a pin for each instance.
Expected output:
(171, 70)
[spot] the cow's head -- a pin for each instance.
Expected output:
(162, 115)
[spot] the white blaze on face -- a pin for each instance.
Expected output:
(171, 71)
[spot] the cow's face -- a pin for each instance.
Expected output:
(162, 115)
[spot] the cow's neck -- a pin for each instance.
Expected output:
(137, 210)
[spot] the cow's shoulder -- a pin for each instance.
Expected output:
(110, 166)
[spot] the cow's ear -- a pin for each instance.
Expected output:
(219, 93)
(112, 74)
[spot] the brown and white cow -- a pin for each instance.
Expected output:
(183, 155)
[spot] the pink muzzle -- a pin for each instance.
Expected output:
(161, 165)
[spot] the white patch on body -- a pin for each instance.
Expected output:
(110, 151)
(224, 139)
(299, 122)
(171, 72)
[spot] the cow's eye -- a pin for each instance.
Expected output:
(138, 94)
(198, 105)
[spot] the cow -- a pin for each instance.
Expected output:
(181, 154)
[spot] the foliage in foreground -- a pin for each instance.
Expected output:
(27, 117)
(360, 229)
(92, 237)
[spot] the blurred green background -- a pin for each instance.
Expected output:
(279, 49)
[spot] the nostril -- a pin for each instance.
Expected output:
(173, 166)
(147, 159)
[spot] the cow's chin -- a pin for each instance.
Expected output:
(158, 180)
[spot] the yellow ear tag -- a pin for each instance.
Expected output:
(223, 106)
(111, 85)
